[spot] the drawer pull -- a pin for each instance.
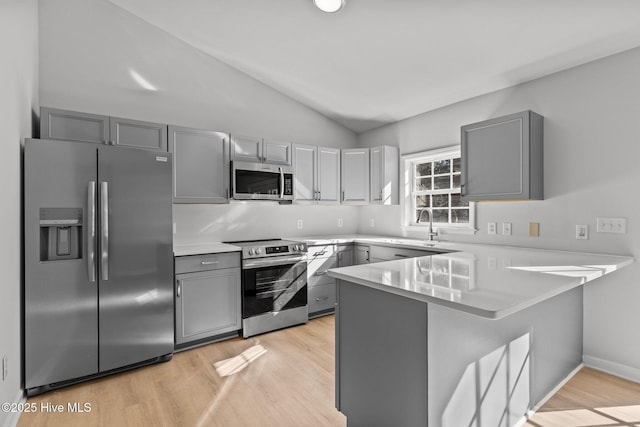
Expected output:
(320, 253)
(401, 255)
(321, 273)
(209, 262)
(322, 298)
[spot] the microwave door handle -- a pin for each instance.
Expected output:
(281, 183)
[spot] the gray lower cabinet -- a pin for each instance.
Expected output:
(502, 158)
(200, 165)
(361, 254)
(207, 299)
(345, 255)
(321, 287)
(86, 127)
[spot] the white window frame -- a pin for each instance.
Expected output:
(407, 200)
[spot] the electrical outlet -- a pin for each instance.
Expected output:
(506, 228)
(492, 228)
(340, 223)
(582, 232)
(371, 222)
(299, 224)
(611, 225)
(5, 368)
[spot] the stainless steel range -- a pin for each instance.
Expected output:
(274, 285)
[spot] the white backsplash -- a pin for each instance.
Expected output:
(258, 220)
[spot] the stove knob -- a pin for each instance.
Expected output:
(251, 251)
(295, 248)
(258, 251)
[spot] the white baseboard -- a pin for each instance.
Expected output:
(613, 368)
(12, 419)
(548, 396)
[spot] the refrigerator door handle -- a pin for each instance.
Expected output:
(104, 227)
(91, 232)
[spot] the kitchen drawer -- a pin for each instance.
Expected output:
(192, 263)
(322, 298)
(321, 251)
(317, 270)
(388, 253)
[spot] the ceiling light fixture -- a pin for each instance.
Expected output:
(329, 6)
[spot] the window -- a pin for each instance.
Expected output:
(432, 186)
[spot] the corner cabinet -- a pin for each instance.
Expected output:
(355, 176)
(502, 158)
(385, 166)
(86, 127)
(200, 165)
(207, 297)
(259, 150)
(317, 174)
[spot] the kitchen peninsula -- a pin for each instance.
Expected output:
(475, 335)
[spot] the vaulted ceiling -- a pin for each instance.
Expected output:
(377, 62)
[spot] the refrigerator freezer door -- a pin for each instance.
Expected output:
(60, 317)
(136, 299)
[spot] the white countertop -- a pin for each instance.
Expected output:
(486, 280)
(204, 248)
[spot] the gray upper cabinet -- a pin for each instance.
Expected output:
(138, 134)
(258, 150)
(276, 152)
(502, 158)
(85, 127)
(317, 174)
(355, 176)
(200, 165)
(385, 162)
(73, 126)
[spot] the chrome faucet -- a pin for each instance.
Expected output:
(431, 234)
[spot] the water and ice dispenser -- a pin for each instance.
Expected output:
(60, 234)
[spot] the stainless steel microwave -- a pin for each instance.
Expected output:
(259, 181)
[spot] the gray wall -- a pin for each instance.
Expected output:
(19, 89)
(591, 169)
(88, 50)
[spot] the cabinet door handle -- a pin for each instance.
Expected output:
(320, 273)
(401, 255)
(209, 262)
(179, 290)
(322, 298)
(343, 195)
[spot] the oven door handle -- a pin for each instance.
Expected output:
(268, 262)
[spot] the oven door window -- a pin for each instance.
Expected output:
(256, 182)
(274, 288)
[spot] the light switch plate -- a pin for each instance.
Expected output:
(534, 229)
(506, 228)
(371, 222)
(582, 232)
(492, 228)
(299, 224)
(340, 223)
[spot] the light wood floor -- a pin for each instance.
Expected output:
(292, 384)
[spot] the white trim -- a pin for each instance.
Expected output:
(444, 152)
(613, 368)
(13, 417)
(548, 396)
(406, 191)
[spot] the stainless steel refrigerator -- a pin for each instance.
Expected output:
(98, 292)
